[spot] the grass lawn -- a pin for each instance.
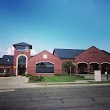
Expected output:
(62, 78)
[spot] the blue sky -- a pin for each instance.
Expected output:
(49, 24)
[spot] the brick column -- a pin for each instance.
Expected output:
(88, 68)
(76, 69)
(100, 67)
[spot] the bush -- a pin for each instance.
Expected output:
(12, 75)
(58, 74)
(78, 76)
(6, 75)
(28, 75)
(66, 66)
(35, 78)
(1, 74)
(23, 74)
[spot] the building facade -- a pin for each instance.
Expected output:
(45, 63)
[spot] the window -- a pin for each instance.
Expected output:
(44, 67)
(22, 48)
(1, 70)
(8, 70)
(44, 56)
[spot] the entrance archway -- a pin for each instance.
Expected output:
(104, 66)
(94, 66)
(21, 64)
(82, 68)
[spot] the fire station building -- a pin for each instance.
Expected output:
(46, 63)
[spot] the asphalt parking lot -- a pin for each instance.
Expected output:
(56, 98)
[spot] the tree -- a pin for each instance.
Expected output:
(67, 65)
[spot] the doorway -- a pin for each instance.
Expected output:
(21, 65)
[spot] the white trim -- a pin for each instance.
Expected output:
(105, 62)
(82, 62)
(45, 61)
(94, 62)
(17, 63)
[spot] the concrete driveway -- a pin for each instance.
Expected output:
(15, 82)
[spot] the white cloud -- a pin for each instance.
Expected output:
(10, 51)
(33, 52)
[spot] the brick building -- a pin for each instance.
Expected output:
(45, 63)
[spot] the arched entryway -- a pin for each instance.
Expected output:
(21, 64)
(44, 67)
(104, 65)
(94, 66)
(82, 68)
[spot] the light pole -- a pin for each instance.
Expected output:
(70, 70)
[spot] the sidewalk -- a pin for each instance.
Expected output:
(9, 83)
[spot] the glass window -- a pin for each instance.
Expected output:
(8, 70)
(44, 67)
(1, 70)
(22, 48)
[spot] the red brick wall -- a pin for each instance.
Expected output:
(55, 54)
(16, 53)
(92, 55)
(39, 58)
(7, 66)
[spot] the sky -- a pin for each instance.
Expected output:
(49, 24)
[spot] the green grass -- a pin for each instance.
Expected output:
(62, 78)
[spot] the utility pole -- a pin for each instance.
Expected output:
(70, 71)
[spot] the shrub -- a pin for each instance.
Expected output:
(67, 65)
(6, 75)
(12, 75)
(23, 74)
(35, 78)
(58, 74)
(41, 77)
(1, 75)
(28, 75)
(78, 76)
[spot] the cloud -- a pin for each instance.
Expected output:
(33, 52)
(10, 51)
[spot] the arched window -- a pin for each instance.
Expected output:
(44, 67)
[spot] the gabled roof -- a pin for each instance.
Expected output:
(22, 44)
(71, 53)
(68, 53)
(7, 60)
(106, 52)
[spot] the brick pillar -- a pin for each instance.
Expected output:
(88, 68)
(76, 69)
(100, 67)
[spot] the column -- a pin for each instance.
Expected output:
(88, 68)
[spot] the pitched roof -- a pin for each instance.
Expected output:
(68, 53)
(106, 52)
(7, 60)
(22, 44)
(71, 53)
